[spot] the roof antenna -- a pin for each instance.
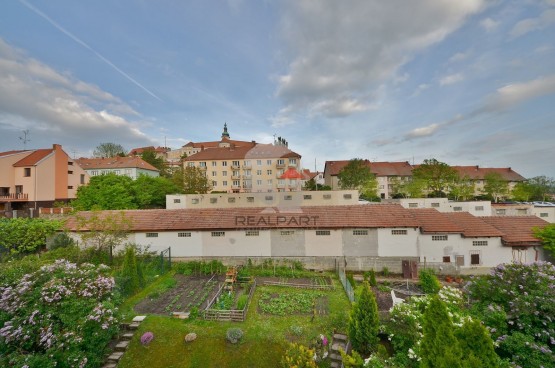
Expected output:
(25, 139)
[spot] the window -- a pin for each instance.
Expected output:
(323, 232)
(183, 235)
(280, 162)
(479, 208)
(224, 183)
(70, 172)
(446, 259)
(231, 199)
(269, 181)
(479, 243)
(224, 163)
(268, 162)
(214, 173)
(247, 163)
(382, 186)
(307, 196)
(288, 197)
(202, 164)
(399, 232)
(213, 200)
(269, 198)
(214, 183)
(439, 237)
(190, 164)
(521, 211)
(70, 187)
(94, 172)
(287, 232)
(544, 214)
(258, 182)
(500, 211)
(218, 233)
(347, 196)
(82, 179)
(176, 200)
(194, 201)
(214, 163)
(151, 235)
(27, 171)
(327, 196)
(70, 163)
(250, 199)
(236, 183)
(360, 232)
(475, 258)
(269, 172)
(457, 209)
(224, 173)
(292, 161)
(459, 260)
(413, 205)
(435, 204)
(235, 163)
(251, 233)
(258, 162)
(258, 172)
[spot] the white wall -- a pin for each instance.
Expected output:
(236, 243)
(324, 245)
(390, 245)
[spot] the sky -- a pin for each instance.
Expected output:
(466, 82)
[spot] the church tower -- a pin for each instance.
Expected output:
(225, 134)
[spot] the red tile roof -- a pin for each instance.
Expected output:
(433, 222)
(258, 151)
(479, 173)
(216, 144)
(517, 230)
(7, 153)
(378, 168)
(140, 150)
(114, 163)
(327, 217)
(473, 227)
(291, 174)
(33, 158)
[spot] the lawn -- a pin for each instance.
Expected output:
(265, 335)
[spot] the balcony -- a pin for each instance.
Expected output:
(235, 177)
(14, 197)
(280, 165)
(247, 177)
(202, 167)
(292, 164)
(235, 167)
(280, 185)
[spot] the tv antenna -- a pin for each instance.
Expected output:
(25, 138)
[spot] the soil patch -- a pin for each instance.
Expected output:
(189, 292)
(317, 281)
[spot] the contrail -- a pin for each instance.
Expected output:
(85, 45)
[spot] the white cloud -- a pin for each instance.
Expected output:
(459, 56)
(451, 79)
(421, 87)
(517, 93)
(34, 96)
(431, 129)
(524, 26)
(489, 24)
(343, 51)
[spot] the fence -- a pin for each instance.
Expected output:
(228, 315)
(166, 265)
(301, 286)
(340, 270)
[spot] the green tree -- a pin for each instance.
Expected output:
(195, 181)
(523, 191)
(364, 322)
(547, 236)
(152, 158)
(409, 188)
(106, 192)
(476, 345)
(150, 192)
(357, 175)
(299, 356)
(542, 187)
(439, 347)
(103, 231)
(462, 189)
(131, 274)
(496, 187)
(22, 235)
(437, 176)
(105, 150)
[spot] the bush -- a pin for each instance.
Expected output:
(428, 281)
(296, 330)
(193, 313)
(385, 271)
(242, 301)
(234, 335)
(372, 279)
(299, 356)
(364, 322)
(60, 240)
(351, 280)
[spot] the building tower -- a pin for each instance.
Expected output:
(225, 134)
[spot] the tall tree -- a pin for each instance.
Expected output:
(105, 150)
(364, 322)
(357, 175)
(496, 187)
(150, 192)
(23, 235)
(152, 158)
(547, 236)
(410, 188)
(462, 189)
(476, 345)
(542, 187)
(106, 192)
(437, 176)
(439, 347)
(523, 191)
(195, 181)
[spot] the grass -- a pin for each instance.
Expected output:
(263, 345)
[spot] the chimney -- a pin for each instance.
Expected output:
(202, 147)
(232, 146)
(56, 147)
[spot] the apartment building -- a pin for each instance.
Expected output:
(249, 167)
(38, 178)
(128, 166)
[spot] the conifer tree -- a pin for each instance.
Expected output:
(129, 273)
(477, 345)
(363, 322)
(439, 348)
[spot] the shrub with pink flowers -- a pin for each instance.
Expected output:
(62, 315)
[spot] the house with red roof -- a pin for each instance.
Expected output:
(30, 179)
(132, 166)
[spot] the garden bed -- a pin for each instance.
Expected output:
(316, 282)
(188, 292)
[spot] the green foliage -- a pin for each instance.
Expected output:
(150, 192)
(199, 268)
(357, 175)
(385, 271)
(195, 181)
(242, 301)
(288, 302)
(462, 189)
(408, 188)
(439, 346)
(364, 322)
(152, 158)
(476, 345)
(436, 175)
(131, 277)
(428, 281)
(106, 150)
(372, 280)
(523, 351)
(194, 313)
(495, 186)
(298, 356)
(296, 330)
(22, 235)
(234, 335)
(351, 361)
(547, 236)
(535, 189)
(60, 240)
(351, 280)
